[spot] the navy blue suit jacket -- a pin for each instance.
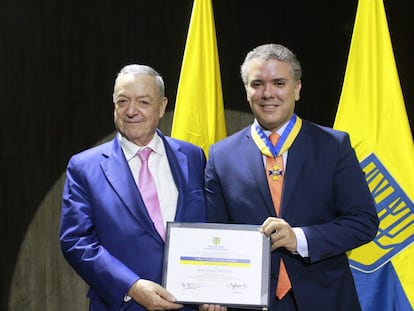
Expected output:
(106, 233)
(325, 193)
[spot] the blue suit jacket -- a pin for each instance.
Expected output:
(106, 233)
(325, 193)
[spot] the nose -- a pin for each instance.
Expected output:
(267, 91)
(132, 107)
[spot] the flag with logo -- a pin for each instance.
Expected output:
(199, 110)
(371, 109)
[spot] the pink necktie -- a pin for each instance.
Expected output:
(148, 191)
(276, 184)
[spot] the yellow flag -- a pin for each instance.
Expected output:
(371, 109)
(199, 110)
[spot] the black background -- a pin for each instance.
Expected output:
(58, 61)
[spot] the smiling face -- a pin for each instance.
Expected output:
(139, 106)
(271, 92)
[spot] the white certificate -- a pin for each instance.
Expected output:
(217, 264)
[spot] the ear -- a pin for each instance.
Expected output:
(163, 106)
(246, 87)
(298, 87)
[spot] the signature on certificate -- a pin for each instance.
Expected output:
(237, 287)
(189, 285)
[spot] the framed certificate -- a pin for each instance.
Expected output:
(223, 264)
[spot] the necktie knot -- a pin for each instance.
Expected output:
(144, 154)
(274, 137)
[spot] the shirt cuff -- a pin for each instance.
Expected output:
(301, 242)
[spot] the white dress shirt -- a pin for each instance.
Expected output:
(160, 170)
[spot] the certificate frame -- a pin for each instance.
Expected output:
(211, 263)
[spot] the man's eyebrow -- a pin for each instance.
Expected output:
(256, 80)
(121, 94)
(146, 96)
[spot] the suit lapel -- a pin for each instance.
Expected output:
(296, 158)
(179, 170)
(254, 159)
(118, 174)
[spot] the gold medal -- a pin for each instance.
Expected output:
(275, 171)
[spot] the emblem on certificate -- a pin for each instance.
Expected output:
(275, 171)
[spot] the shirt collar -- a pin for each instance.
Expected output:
(130, 149)
(267, 132)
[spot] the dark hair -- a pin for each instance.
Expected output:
(272, 51)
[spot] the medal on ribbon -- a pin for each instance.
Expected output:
(285, 141)
(275, 171)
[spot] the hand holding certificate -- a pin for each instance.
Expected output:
(217, 264)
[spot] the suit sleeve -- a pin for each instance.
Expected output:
(216, 207)
(356, 221)
(109, 278)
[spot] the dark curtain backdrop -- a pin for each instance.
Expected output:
(58, 61)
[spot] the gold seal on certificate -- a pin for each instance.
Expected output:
(224, 264)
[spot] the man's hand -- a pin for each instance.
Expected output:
(152, 296)
(207, 307)
(280, 232)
